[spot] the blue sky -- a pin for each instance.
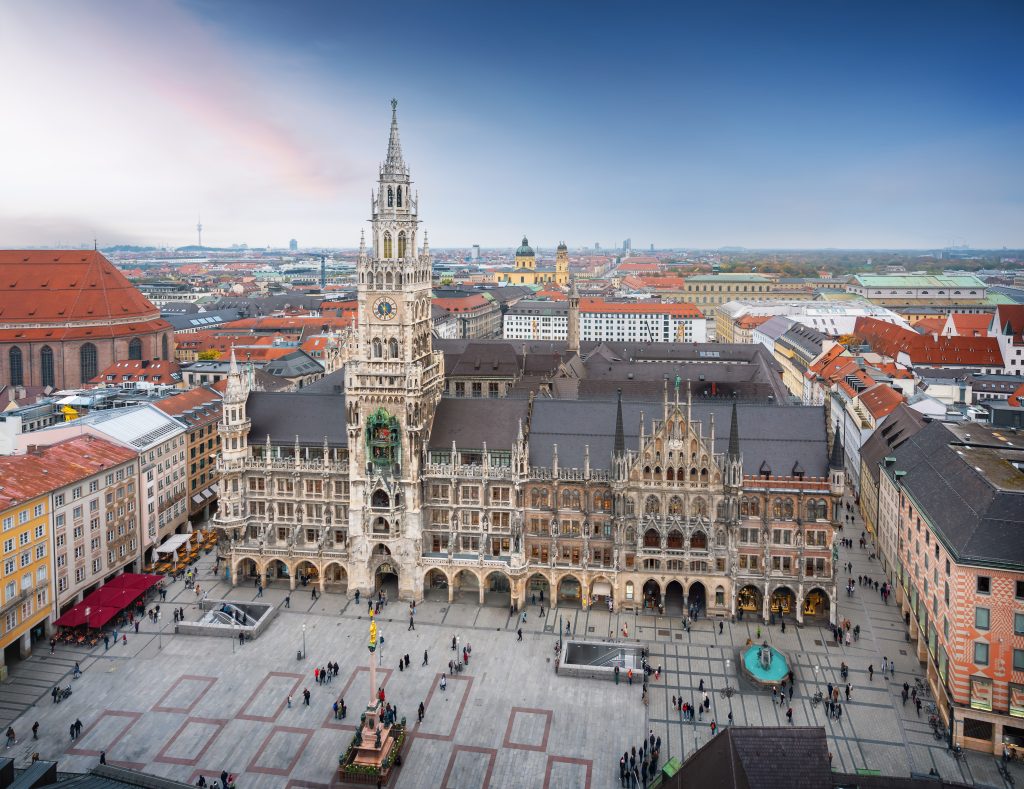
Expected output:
(839, 124)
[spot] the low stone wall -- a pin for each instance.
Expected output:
(228, 631)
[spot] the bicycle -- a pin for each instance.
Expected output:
(817, 698)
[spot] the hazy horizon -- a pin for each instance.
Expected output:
(803, 126)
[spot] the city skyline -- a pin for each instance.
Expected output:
(803, 127)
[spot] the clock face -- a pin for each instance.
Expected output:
(385, 309)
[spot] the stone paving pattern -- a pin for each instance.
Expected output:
(182, 706)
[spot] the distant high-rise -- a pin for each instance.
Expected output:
(293, 245)
(597, 246)
(476, 252)
(199, 231)
(652, 247)
(627, 245)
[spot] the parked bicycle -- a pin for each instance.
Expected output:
(817, 698)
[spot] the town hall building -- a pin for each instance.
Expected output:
(597, 494)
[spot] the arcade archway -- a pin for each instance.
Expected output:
(782, 603)
(749, 602)
(697, 598)
(538, 590)
(652, 594)
(674, 598)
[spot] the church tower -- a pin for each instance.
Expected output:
(392, 385)
(573, 328)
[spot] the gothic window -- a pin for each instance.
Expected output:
(380, 498)
(393, 348)
(744, 508)
(720, 538)
(811, 510)
(630, 536)
(722, 510)
(387, 245)
(699, 541)
(46, 366)
(822, 513)
(700, 507)
(703, 476)
(777, 508)
(675, 540)
(787, 509)
(16, 369)
(391, 197)
(388, 281)
(652, 539)
(378, 348)
(652, 506)
(607, 503)
(675, 506)
(135, 348)
(87, 362)
(755, 508)
(401, 244)
(630, 506)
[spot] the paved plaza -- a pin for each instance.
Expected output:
(182, 706)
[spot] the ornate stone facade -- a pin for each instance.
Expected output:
(470, 495)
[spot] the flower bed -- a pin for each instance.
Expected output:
(354, 773)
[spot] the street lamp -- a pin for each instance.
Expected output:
(303, 640)
(159, 632)
(728, 691)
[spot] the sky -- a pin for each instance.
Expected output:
(766, 125)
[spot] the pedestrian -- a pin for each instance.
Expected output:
(730, 718)
(849, 687)
(421, 711)
(424, 657)
(700, 687)
(871, 673)
(53, 693)
(839, 712)
(455, 643)
(316, 675)
(103, 757)
(12, 739)
(720, 627)
(305, 696)
(289, 701)
(412, 624)
(106, 642)
(35, 730)
(783, 625)
(789, 714)
(71, 731)
(629, 676)
(917, 705)
(444, 682)
(520, 633)
(713, 727)
(78, 728)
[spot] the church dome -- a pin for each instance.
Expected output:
(525, 251)
(562, 247)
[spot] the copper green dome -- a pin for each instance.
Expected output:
(525, 251)
(562, 247)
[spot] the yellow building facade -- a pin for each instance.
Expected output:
(527, 272)
(25, 597)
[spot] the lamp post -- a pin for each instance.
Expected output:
(303, 640)
(159, 632)
(728, 691)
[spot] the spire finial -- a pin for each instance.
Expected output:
(394, 165)
(620, 435)
(734, 435)
(394, 107)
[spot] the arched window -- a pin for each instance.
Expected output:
(387, 244)
(699, 541)
(721, 511)
(811, 510)
(135, 348)
(399, 197)
(787, 508)
(675, 540)
(393, 348)
(629, 505)
(652, 506)
(777, 508)
(164, 348)
(388, 280)
(391, 197)
(401, 242)
(652, 539)
(744, 508)
(87, 362)
(700, 507)
(675, 506)
(380, 498)
(823, 510)
(16, 370)
(755, 508)
(378, 348)
(46, 366)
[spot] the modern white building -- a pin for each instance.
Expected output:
(831, 318)
(605, 321)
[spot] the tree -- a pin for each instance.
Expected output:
(209, 356)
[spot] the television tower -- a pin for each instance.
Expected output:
(199, 231)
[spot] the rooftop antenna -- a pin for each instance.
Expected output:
(199, 230)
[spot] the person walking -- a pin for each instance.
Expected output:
(714, 726)
(54, 694)
(444, 682)
(871, 673)
(78, 728)
(421, 711)
(289, 701)
(424, 657)
(305, 696)
(520, 634)
(12, 738)
(412, 624)
(789, 714)
(35, 730)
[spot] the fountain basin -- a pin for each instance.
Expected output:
(766, 677)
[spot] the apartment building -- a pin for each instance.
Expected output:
(199, 410)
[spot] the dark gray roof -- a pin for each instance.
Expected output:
(472, 422)
(285, 415)
(539, 307)
(756, 757)
(199, 320)
(293, 365)
(896, 428)
(775, 326)
(803, 339)
(953, 481)
(332, 383)
(107, 776)
(779, 435)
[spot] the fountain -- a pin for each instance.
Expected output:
(764, 665)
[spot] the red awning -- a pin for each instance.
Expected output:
(110, 599)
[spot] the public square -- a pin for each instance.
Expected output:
(183, 706)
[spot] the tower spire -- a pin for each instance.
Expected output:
(734, 435)
(620, 435)
(394, 163)
(836, 460)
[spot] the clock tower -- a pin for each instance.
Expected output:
(392, 386)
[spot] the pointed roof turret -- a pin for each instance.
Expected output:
(394, 164)
(620, 434)
(835, 461)
(734, 434)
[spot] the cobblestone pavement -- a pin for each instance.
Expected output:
(182, 706)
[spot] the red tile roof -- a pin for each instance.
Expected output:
(46, 468)
(924, 349)
(203, 397)
(639, 267)
(970, 324)
(1009, 320)
(464, 304)
(881, 400)
(61, 287)
(157, 371)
